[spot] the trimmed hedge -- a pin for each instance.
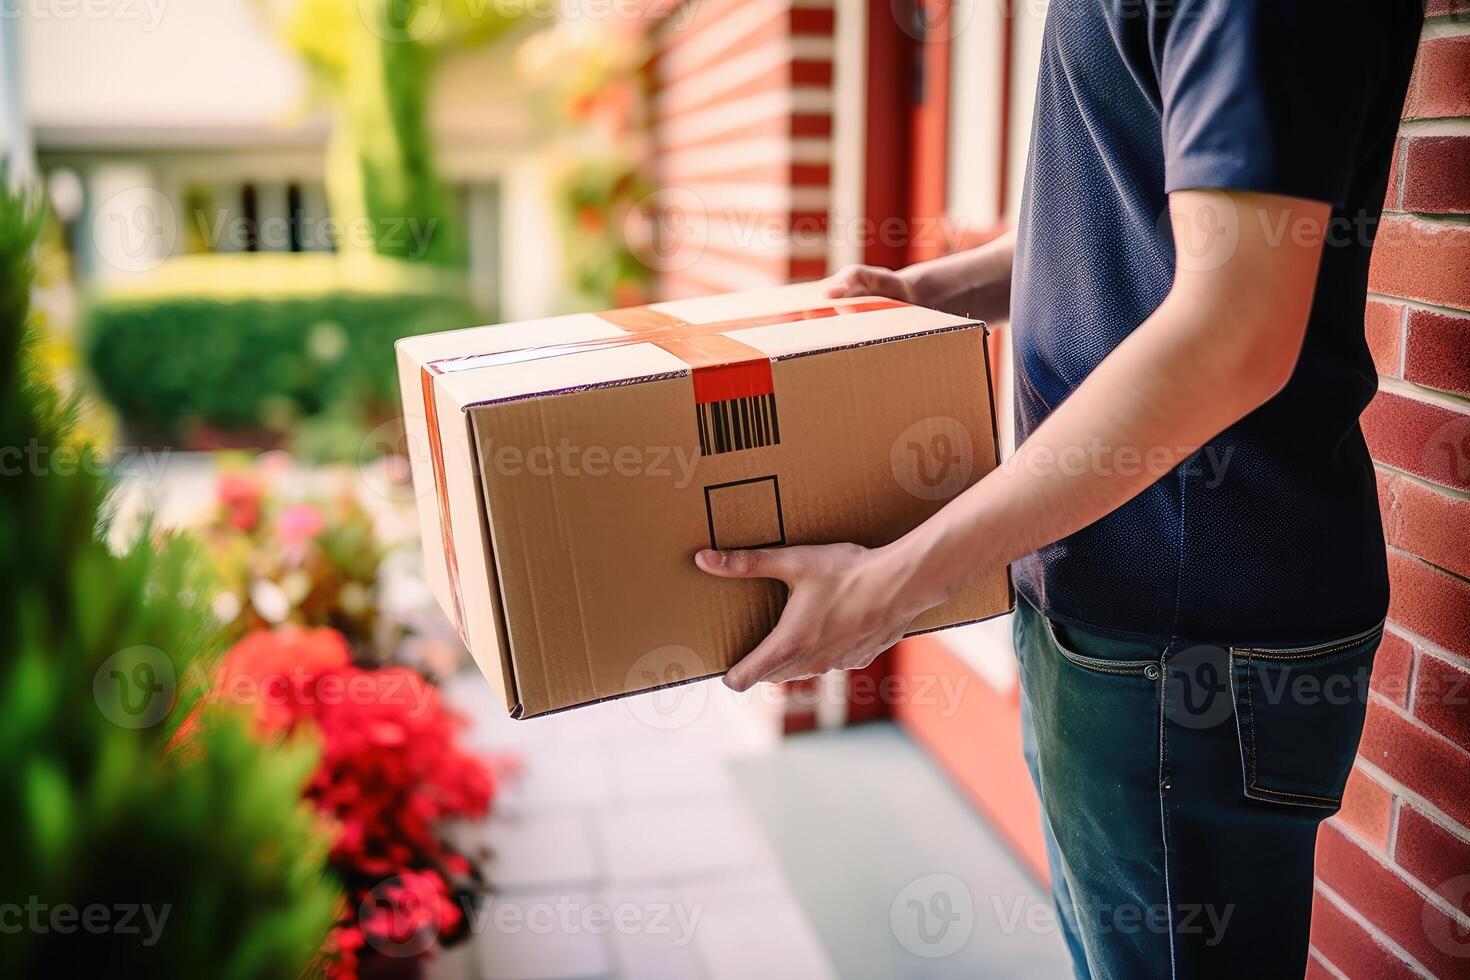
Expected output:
(239, 344)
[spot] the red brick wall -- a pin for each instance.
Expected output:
(742, 113)
(1393, 897)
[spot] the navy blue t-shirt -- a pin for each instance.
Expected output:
(1271, 533)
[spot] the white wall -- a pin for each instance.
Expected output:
(1025, 62)
(975, 87)
(849, 131)
(155, 63)
(531, 267)
(15, 137)
(214, 65)
(976, 90)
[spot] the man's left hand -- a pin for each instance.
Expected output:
(845, 605)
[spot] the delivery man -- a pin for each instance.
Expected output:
(1187, 277)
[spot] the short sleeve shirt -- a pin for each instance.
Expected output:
(1270, 533)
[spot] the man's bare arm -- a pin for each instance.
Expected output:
(1224, 340)
(973, 283)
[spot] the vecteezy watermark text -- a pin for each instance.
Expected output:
(297, 686)
(567, 459)
(97, 918)
(1123, 918)
(36, 458)
(566, 915)
(147, 13)
(401, 903)
(1098, 459)
(411, 235)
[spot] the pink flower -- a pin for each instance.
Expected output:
(300, 523)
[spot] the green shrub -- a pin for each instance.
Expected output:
(133, 845)
(255, 342)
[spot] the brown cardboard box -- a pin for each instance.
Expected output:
(568, 469)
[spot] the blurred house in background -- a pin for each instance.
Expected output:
(786, 138)
(212, 112)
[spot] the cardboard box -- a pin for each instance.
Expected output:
(568, 469)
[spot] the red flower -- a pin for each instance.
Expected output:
(627, 293)
(278, 672)
(591, 220)
(390, 773)
(241, 498)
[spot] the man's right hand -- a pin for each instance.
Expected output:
(870, 280)
(973, 283)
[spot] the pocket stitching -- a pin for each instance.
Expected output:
(1250, 700)
(1093, 663)
(1250, 716)
(1250, 769)
(1316, 800)
(1306, 653)
(1247, 769)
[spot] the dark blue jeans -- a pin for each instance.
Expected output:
(1181, 788)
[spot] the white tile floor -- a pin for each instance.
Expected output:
(624, 849)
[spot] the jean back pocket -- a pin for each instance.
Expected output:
(1299, 714)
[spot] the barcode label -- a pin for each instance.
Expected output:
(739, 423)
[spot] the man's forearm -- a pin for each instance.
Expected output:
(972, 283)
(1210, 354)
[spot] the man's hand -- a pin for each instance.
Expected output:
(845, 605)
(869, 280)
(974, 283)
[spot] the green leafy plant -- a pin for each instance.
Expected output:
(599, 202)
(372, 62)
(258, 342)
(128, 850)
(593, 87)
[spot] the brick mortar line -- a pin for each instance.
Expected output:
(1457, 218)
(1395, 806)
(1422, 393)
(1376, 934)
(1411, 678)
(1327, 964)
(1396, 170)
(1392, 549)
(1425, 809)
(1429, 646)
(1450, 492)
(1419, 127)
(1422, 888)
(1419, 304)
(1418, 723)
(1454, 829)
(1443, 26)
(759, 16)
(730, 92)
(787, 108)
